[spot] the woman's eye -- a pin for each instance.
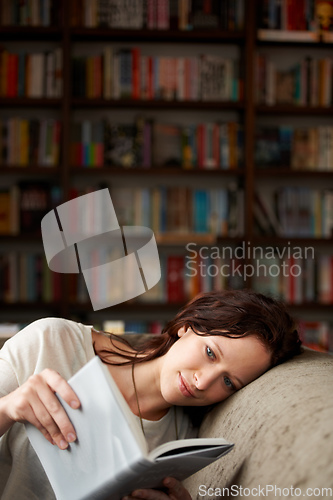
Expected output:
(210, 353)
(228, 383)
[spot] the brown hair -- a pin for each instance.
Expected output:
(229, 313)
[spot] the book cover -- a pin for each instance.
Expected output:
(119, 142)
(167, 145)
(34, 204)
(110, 457)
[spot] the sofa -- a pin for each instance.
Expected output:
(282, 428)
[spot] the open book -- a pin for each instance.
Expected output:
(110, 457)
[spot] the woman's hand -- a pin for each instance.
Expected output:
(35, 402)
(174, 491)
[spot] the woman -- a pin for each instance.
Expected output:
(218, 343)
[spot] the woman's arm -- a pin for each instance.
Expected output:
(35, 402)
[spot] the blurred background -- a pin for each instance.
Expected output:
(208, 121)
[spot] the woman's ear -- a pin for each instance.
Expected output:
(181, 331)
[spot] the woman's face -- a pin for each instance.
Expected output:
(202, 370)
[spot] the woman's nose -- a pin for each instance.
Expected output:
(205, 378)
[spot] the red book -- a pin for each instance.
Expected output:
(12, 74)
(150, 78)
(175, 278)
(187, 64)
(216, 145)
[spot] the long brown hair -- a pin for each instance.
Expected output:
(230, 313)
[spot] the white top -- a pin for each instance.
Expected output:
(64, 346)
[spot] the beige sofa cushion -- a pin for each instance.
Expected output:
(282, 427)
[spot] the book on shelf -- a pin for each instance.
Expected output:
(27, 142)
(37, 13)
(308, 82)
(126, 73)
(300, 21)
(31, 74)
(147, 143)
(265, 215)
(175, 279)
(34, 203)
(160, 15)
(317, 335)
(167, 144)
(111, 441)
(121, 148)
(298, 148)
(27, 278)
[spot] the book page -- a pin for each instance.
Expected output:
(107, 442)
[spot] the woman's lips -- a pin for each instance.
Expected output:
(184, 387)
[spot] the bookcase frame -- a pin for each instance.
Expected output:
(248, 110)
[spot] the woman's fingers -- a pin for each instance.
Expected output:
(36, 402)
(174, 491)
(54, 418)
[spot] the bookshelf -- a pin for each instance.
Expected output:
(173, 107)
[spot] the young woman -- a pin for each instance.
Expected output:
(218, 343)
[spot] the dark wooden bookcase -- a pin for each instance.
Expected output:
(248, 113)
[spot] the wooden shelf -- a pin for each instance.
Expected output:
(294, 110)
(31, 33)
(31, 170)
(294, 240)
(30, 102)
(146, 35)
(288, 172)
(157, 104)
(157, 171)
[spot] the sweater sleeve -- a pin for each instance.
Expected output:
(55, 343)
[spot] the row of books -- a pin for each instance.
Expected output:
(148, 144)
(297, 20)
(180, 281)
(292, 279)
(31, 74)
(159, 14)
(23, 206)
(26, 142)
(300, 148)
(317, 335)
(298, 15)
(294, 211)
(120, 326)
(300, 277)
(307, 83)
(25, 277)
(30, 13)
(296, 280)
(180, 210)
(127, 73)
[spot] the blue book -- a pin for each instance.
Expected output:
(201, 210)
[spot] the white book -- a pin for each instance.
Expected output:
(110, 457)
